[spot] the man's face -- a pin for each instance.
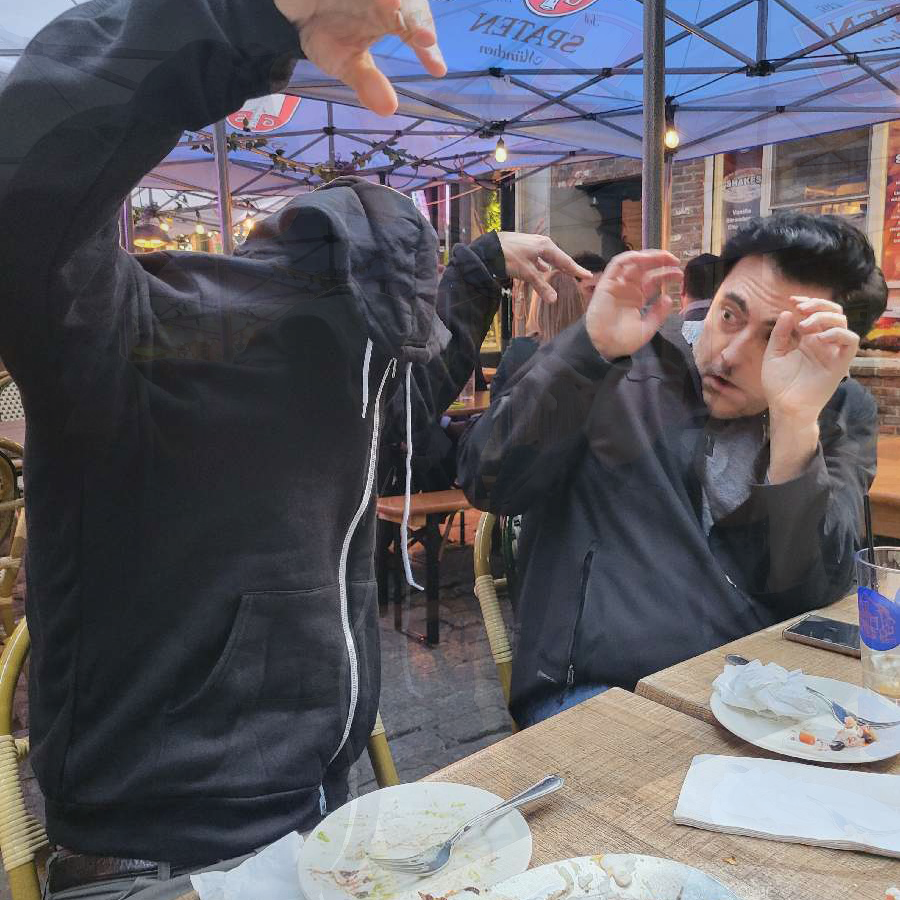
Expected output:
(586, 287)
(729, 353)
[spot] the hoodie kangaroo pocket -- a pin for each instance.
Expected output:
(273, 708)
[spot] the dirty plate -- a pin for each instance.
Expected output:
(615, 876)
(784, 735)
(406, 819)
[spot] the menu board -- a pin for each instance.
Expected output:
(741, 188)
(890, 258)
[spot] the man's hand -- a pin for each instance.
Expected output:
(809, 352)
(336, 36)
(627, 308)
(532, 258)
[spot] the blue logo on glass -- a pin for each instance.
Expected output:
(879, 620)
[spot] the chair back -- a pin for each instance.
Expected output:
(486, 592)
(10, 401)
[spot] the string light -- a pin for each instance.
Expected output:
(500, 153)
(671, 139)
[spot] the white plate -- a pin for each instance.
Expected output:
(781, 735)
(616, 876)
(402, 820)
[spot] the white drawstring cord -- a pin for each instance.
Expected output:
(365, 376)
(407, 497)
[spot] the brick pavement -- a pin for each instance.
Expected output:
(438, 704)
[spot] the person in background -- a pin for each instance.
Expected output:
(545, 321)
(595, 264)
(678, 497)
(701, 277)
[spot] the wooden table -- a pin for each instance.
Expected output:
(885, 492)
(13, 430)
(686, 687)
(624, 759)
(480, 402)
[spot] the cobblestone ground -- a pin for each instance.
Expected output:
(438, 704)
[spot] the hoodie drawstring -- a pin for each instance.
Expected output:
(407, 496)
(365, 376)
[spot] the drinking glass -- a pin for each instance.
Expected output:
(879, 619)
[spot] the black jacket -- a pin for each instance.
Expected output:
(201, 440)
(617, 577)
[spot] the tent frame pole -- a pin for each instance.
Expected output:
(653, 165)
(220, 150)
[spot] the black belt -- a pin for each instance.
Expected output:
(68, 869)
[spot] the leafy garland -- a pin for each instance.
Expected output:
(325, 171)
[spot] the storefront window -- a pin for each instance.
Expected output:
(828, 174)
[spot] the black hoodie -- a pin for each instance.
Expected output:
(201, 440)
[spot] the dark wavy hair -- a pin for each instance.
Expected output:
(826, 251)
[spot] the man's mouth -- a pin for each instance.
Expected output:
(717, 383)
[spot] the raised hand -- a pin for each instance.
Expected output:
(629, 303)
(336, 35)
(809, 353)
(532, 257)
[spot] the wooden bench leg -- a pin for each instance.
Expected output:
(399, 579)
(382, 563)
(432, 579)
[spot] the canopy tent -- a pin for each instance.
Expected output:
(740, 72)
(558, 78)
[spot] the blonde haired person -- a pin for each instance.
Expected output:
(545, 321)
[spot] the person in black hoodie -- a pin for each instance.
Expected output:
(677, 498)
(202, 431)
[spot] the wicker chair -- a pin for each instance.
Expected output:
(486, 591)
(22, 837)
(9, 572)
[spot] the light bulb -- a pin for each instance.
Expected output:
(500, 151)
(672, 139)
(199, 228)
(164, 226)
(249, 223)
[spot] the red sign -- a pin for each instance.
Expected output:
(890, 248)
(264, 114)
(557, 7)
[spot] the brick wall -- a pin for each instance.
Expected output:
(881, 377)
(686, 239)
(688, 188)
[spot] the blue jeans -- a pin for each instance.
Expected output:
(546, 707)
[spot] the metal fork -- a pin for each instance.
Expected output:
(839, 712)
(435, 858)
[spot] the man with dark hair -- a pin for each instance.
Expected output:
(700, 282)
(679, 497)
(594, 263)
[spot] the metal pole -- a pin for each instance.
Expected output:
(126, 225)
(762, 29)
(654, 123)
(667, 203)
(221, 153)
(220, 149)
(330, 110)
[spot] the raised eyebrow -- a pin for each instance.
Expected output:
(738, 301)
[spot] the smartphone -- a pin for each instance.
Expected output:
(817, 631)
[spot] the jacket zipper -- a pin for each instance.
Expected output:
(585, 574)
(342, 567)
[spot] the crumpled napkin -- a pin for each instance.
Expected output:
(271, 873)
(769, 690)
